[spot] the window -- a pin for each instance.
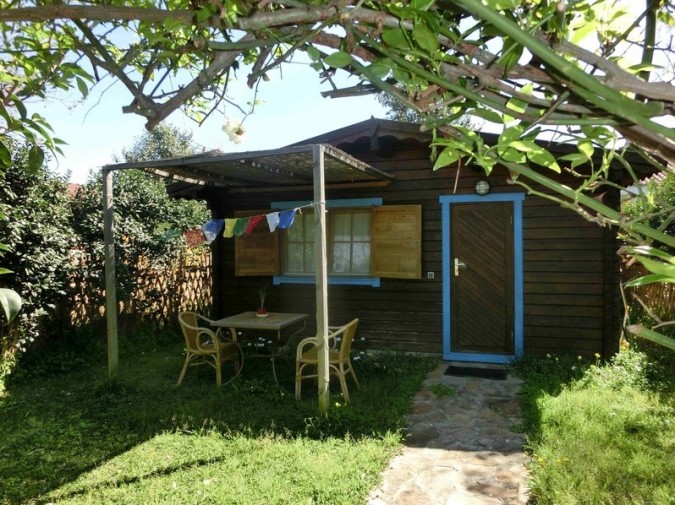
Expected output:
(298, 246)
(366, 241)
(348, 234)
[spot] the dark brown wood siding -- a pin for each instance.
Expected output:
(570, 267)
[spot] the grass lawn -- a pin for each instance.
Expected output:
(598, 433)
(69, 435)
(603, 434)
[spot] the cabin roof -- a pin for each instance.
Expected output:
(292, 166)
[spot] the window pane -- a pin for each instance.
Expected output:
(309, 258)
(296, 232)
(342, 227)
(361, 226)
(294, 258)
(348, 232)
(361, 258)
(341, 258)
(310, 226)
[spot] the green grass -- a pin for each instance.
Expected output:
(600, 433)
(441, 390)
(70, 435)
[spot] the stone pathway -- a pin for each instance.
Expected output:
(460, 450)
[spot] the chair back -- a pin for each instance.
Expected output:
(348, 331)
(189, 325)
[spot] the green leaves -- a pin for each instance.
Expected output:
(338, 59)
(36, 158)
(10, 302)
(501, 5)
(425, 38)
(653, 336)
(5, 154)
(659, 263)
(396, 38)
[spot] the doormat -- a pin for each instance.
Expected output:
(472, 371)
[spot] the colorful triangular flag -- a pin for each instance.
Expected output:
(229, 227)
(286, 219)
(253, 222)
(212, 229)
(273, 220)
(240, 226)
(194, 237)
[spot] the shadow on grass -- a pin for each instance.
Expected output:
(62, 418)
(544, 377)
(130, 480)
(599, 432)
(549, 376)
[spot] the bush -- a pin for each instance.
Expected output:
(38, 232)
(626, 370)
(56, 243)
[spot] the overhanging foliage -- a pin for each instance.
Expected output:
(590, 72)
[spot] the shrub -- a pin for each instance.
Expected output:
(38, 232)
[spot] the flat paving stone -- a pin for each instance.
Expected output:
(459, 450)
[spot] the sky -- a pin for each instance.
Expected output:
(292, 110)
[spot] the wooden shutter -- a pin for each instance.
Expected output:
(256, 253)
(396, 235)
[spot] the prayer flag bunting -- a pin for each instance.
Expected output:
(253, 222)
(273, 220)
(229, 228)
(212, 229)
(286, 219)
(194, 237)
(240, 226)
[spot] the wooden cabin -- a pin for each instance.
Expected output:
(468, 267)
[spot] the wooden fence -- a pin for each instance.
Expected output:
(158, 296)
(659, 297)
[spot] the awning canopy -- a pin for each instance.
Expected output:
(287, 166)
(314, 165)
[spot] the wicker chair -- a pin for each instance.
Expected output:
(204, 346)
(338, 358)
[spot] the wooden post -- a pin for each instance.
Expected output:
(110, 281)
(321, 259)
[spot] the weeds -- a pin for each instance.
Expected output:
(441, 390)
(599, 432)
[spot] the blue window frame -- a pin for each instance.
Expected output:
(349, 237)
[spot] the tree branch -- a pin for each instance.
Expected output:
(221, 61)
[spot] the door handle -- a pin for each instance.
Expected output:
(458, 264)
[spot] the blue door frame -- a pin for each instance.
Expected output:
(446, 210)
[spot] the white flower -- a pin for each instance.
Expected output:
(235, 131)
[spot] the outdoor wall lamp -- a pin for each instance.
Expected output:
(482, 187)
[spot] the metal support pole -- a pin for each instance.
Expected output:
(321, 255)
(110, 280)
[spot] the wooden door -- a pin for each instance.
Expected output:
(481, 286)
